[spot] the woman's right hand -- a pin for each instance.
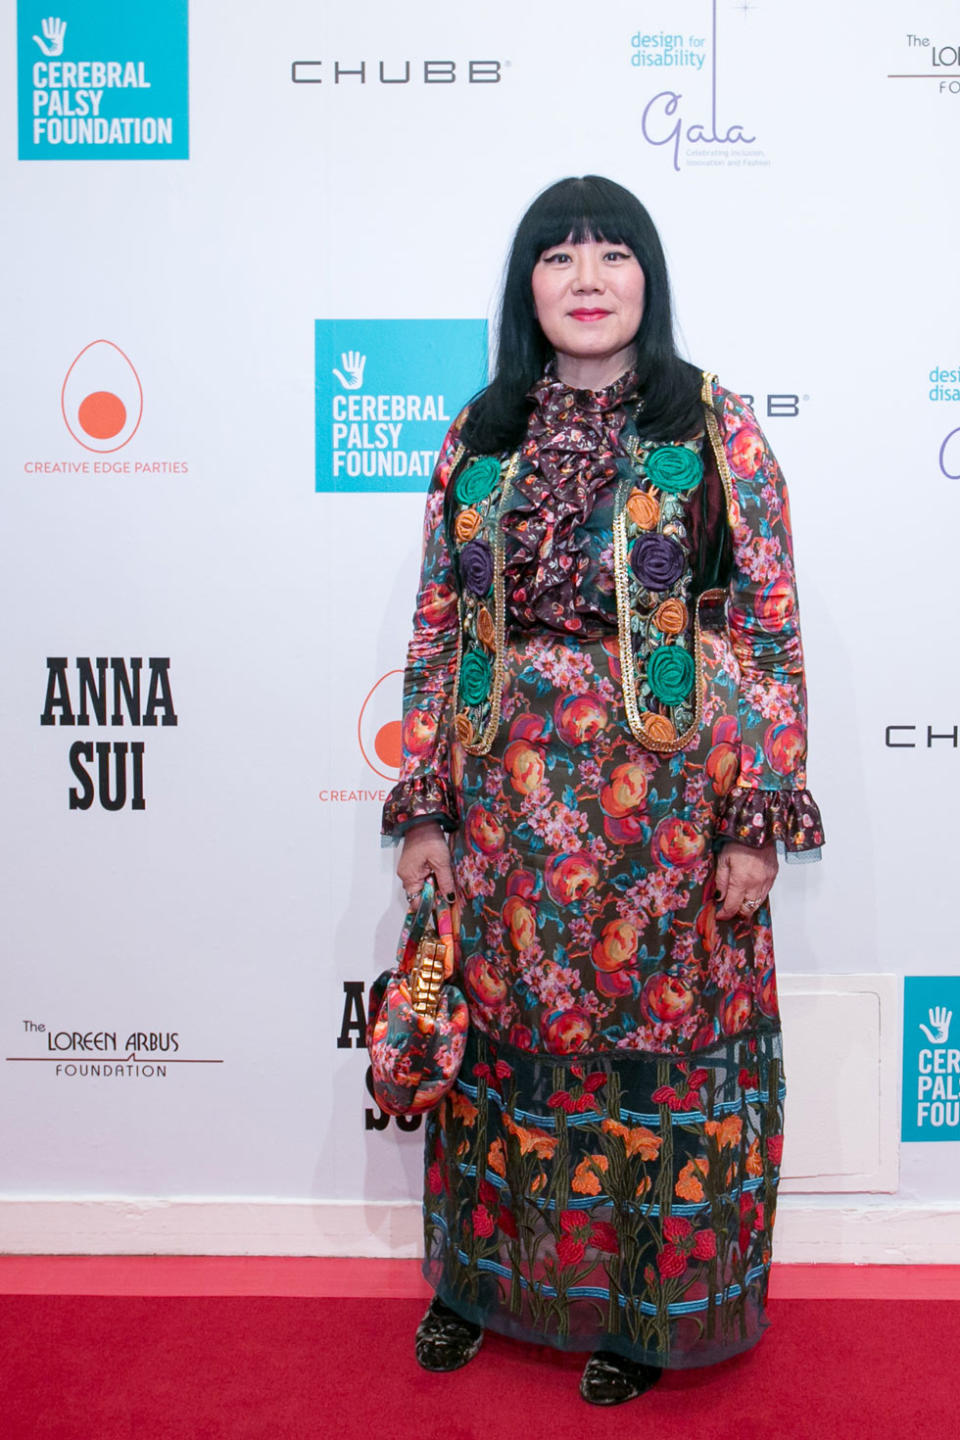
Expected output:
(425, 851)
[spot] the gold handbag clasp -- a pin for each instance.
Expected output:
(427, 976)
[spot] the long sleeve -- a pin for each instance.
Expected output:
(770, 801)
(425, 790)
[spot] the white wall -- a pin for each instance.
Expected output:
(815, 261)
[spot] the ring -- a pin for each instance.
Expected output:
(412, 895)
(749, 903)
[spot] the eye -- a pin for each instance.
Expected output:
(555, 257)
(618, 255)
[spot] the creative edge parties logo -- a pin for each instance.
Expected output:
(103, 82)
(379, 739)
(386, 393)
(101, 405)
(931, 1057)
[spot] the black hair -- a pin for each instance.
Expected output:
(579, 209)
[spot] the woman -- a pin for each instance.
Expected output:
(604, 722)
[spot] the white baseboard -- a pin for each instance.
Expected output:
(838, 1235)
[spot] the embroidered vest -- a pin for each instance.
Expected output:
(658, 617)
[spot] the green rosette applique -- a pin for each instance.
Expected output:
(477, 480)
(670, 673)
(674, 468)
(476, 677)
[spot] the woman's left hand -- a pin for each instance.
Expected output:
(745, 876)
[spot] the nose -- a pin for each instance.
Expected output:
(588, 279)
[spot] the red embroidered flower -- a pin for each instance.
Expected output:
(704, 1245)
(488, 1194)
(573, 1220)
(683, 1243)
(482, 1221)
(562, 1100)
(570, 1251)
(671, 1262)
(595, 1081)
(604, 1237)
(434, 1179)
(482, 1070)
(749, 1079)
(507, 1222)
(775, 1149)
(586, 1102)
(502, 1070)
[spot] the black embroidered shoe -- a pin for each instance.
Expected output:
(444, 1341)
(609, 1379)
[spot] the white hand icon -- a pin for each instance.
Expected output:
(353, 362)
(940, 1020)
(54, 30)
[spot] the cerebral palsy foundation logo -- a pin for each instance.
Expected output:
(101, 81)
(386, 393)
(931, 1063)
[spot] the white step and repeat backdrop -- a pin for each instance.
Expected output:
(250, 256)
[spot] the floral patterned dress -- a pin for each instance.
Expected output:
(604, 1173)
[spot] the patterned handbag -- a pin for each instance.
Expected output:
(416, 1023)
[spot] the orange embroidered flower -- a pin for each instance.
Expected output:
(586, 1177)
(689, 1184)
(643, 510)
(728, 1131)
(486, 633)
(637, 1139)
(671, 617)
(463, 1107)
(466, 525)
(463, 728)
(754, 1163)
(643, 1187)
(659, 728)
(532, 1140)
(497, 1158)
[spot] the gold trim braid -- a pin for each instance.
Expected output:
(716, 444)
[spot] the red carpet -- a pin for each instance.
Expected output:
(287, 1368)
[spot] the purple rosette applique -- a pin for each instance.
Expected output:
(657, 561)
(476, 567)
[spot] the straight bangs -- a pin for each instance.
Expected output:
(579, 215)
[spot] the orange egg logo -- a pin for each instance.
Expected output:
(379, 732)
(102, 398)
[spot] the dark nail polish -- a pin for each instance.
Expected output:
(717, 895)
(451, 896)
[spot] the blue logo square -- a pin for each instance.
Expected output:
(931, 1058)
(102, 81)
(387, 392)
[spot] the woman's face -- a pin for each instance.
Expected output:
(588, 298)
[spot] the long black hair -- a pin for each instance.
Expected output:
(580, 209)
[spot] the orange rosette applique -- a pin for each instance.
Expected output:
(466, 525)
(486, 631)
(463, 729)
(643, 510)
(671, 617)
(658, 728)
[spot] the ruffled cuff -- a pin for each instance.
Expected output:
(427, 797)
(755, 817)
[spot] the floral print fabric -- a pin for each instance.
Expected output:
(589, 938)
